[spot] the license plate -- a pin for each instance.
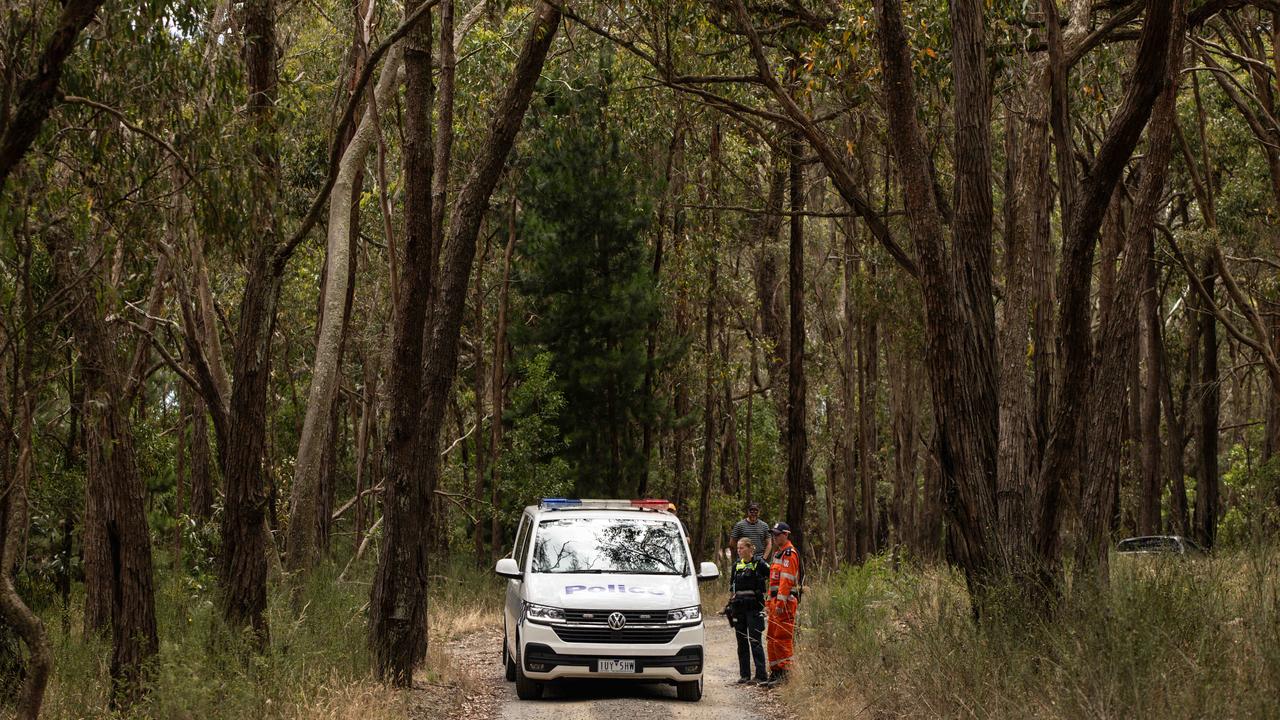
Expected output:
(616, 666)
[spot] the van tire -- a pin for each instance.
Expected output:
(689, 691)
(526, 688)
(508, 661)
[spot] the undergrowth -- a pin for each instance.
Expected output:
(1168, 639)
(317, 665)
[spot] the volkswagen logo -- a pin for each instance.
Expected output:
(617, 621)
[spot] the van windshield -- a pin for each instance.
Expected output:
(637, 546)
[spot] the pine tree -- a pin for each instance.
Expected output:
(586, 281)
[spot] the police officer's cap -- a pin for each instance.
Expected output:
(781, 528)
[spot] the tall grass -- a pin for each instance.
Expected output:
(1167, 639)
(317, 665)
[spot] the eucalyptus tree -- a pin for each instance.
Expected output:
(424, 351)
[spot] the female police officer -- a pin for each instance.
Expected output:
(746, 608)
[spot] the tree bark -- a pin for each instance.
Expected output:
(799, 474)
(36, 95)
(1070, 421)
(1104, 384)
(1206, 508)
(15, 520)
(959, 320)
(1175, 424)
(868, 433)
(709, 363)
(304, 523)
(1149, 516)
(398, 604)
(201, 473)
(498, 384)
(243, 563)
(849, 398)
(114, 484)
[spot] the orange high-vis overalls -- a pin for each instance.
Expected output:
(784, 580)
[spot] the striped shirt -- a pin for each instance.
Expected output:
(758, 532)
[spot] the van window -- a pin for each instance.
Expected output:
(521, 551)
(610, 545)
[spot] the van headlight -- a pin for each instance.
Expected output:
(543, 613)
(685, 616)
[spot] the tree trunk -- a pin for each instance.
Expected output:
(773, 321)
(305, 524)
(868, 433)
(799, 475)
(15, 520)
(398, 604)
(480, 379)
(35, 96)
(202, 478)
(709, 370)
(243, 563)
(1206, 509)
(114, 484)
(959, 320)
(1026, 232)
(1175, 423)
(849, 386)
(1105, 385)
(903, 389)
(1149, 517)
(671, 199)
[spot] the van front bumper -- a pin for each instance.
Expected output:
(545, 657)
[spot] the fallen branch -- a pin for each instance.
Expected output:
(352, 502)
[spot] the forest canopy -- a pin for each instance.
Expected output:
(292, 288)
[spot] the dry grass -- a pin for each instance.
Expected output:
(1167, 640)
(318, 665)
(340, 699)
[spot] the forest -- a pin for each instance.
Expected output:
(302, 301)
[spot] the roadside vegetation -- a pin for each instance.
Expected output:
(1170, 638)
(317, 667)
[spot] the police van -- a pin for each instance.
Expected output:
(602, 589)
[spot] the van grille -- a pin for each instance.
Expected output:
(602, 634)
(601, 617)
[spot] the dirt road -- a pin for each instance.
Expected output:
(492, 697)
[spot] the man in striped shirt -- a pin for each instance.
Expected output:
(751, 527)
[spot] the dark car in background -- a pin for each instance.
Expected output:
(1159, 545)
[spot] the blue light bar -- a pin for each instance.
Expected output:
(553, 503)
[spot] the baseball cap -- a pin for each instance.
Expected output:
(753, 506)
(781, 528)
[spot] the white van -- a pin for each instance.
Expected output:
(602, 589)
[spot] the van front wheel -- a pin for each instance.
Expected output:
(508, 661)
(526, 688)
(689, 691)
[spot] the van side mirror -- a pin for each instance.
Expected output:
(508, 568)
(708, 571)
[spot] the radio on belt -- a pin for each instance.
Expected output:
(602, 589)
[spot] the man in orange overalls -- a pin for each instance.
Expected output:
(782, 603)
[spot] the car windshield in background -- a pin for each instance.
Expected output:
(1150, 545)
(609, 545)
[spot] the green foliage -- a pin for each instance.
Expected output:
(533, 464)
(202, 671)
(584, 276)
(1252, 489)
